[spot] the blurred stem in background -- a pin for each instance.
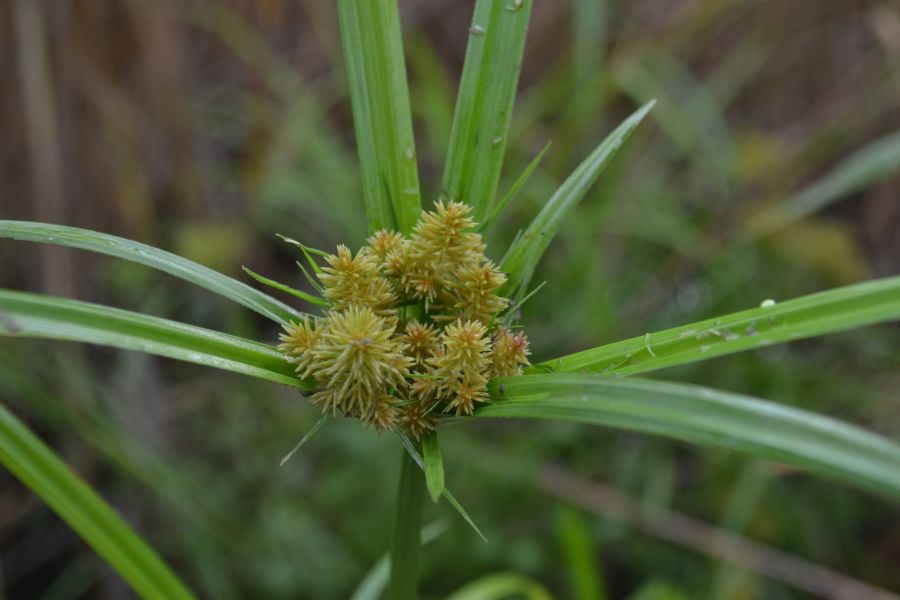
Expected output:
(43, 141)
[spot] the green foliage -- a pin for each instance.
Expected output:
(434, 466)
(33, 315)
(376, 580)
(707, 417)
(582, 557)
(484, 104)
(558, 389)
(373, 53)
(94, 241)
(525, 252)
(875, 162)
(817, 314)
(514, 189)
(499, 586)
(38, 467)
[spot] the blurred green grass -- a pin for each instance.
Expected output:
(209, 126)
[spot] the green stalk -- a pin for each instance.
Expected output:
(405, 542)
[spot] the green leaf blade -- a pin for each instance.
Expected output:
(102, 243)
(286, 289)
(31, 461)
(817, 314)
(523, 256)
(34, 315)
(451, 499)
(373, 53)
(707, 417)
(434, 466)
(484, 103)
(516, 186)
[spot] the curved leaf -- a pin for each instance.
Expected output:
(47, 476)
(526, 251)
(817, 314)
(708, 417)
(94, 241)
(34, 315)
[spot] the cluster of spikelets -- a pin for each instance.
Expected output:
(412, 329)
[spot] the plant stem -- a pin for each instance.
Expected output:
(405, 542)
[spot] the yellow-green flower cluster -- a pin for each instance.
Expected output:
(412, 327)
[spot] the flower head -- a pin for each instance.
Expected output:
(384, 414)
(510, 353)
(462, 365)
(350, 280)
(383, 242)
(420, 341)
(474, 295)
(416, 420)
(442, 244)
(412, 331)
(358, 360)
(297, 343)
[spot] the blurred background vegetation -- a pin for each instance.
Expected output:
(206, 126)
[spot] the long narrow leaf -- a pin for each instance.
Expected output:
(34, 315)
(817, 314)
(47, 476)
(286, 289)
(485, 102)
(708, 417)
(373, 53)
(516, 186)
(526, 251)
(94, 241)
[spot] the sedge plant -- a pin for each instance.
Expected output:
(418, 328)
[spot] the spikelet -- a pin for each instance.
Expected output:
(442, 244)
(329, 400)
(416, 420)
(384, 415)
(465, 393)
(356, 281)
(474, 294)
(297, 344)
(462, 366)
(419, 341)
(383, 242)
(510, 353)
(357, 360)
